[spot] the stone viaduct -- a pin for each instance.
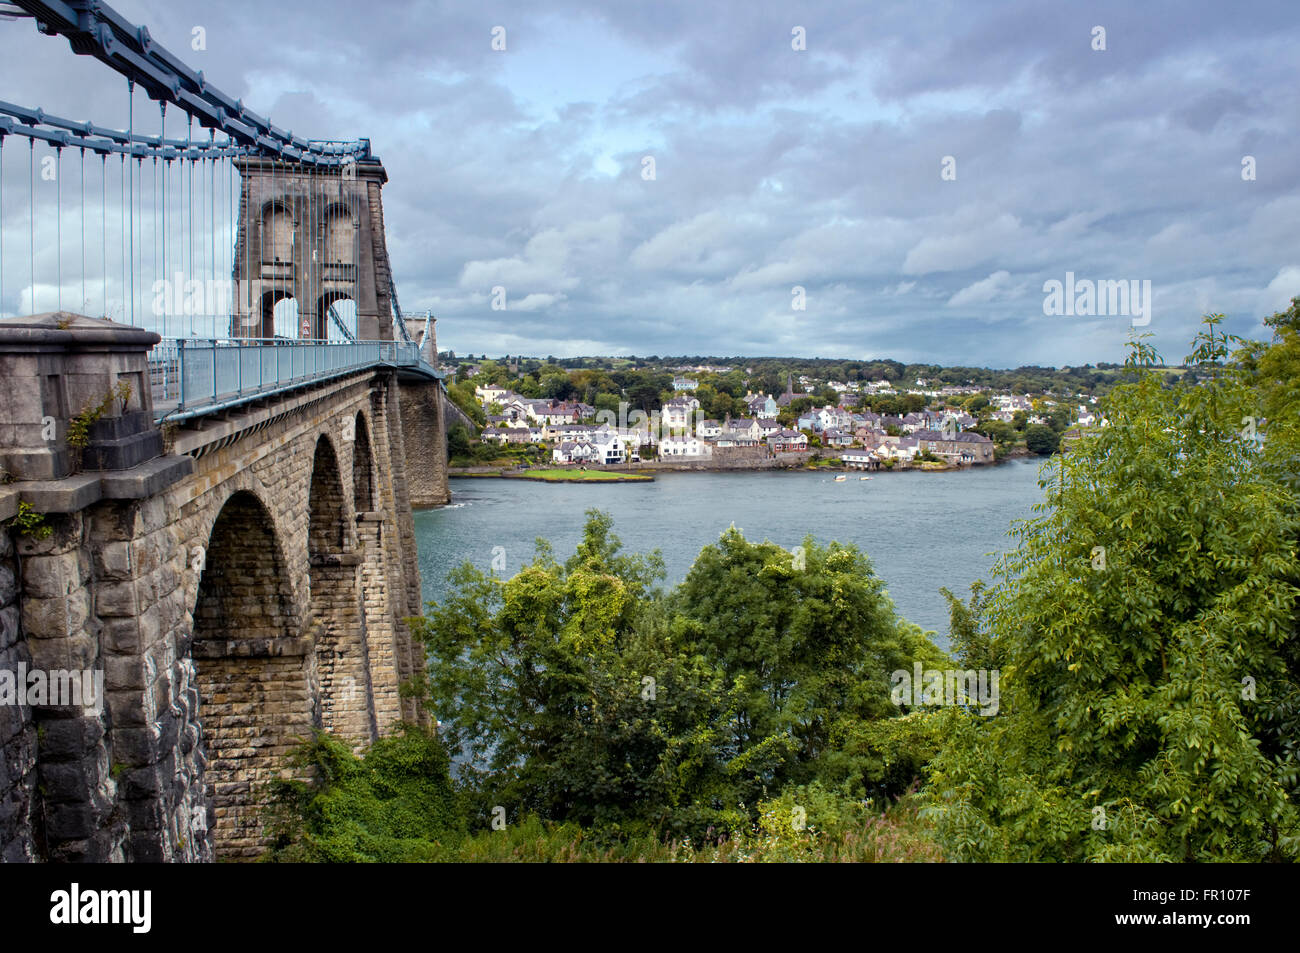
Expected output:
(239, 576)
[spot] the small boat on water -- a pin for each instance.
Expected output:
(864, 478)
(841, 478)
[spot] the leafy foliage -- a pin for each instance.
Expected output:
(1137, 689)
(1041, 439)
(30, 523)
(395, 805)
(580, 692)
(1144, 627)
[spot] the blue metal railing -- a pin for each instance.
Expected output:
(190, 376)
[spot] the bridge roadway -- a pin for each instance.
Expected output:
(191, 377)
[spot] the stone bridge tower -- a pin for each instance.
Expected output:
(309, 241)
(314, 238)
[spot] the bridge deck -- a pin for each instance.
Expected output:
(195, 376)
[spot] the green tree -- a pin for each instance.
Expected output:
(556, 386)
(720, 406)
(1059, 418)
(998, 431)
(458, 441)
(462, 395)
(538, 679)
(1145, 621)
(969, 639)
(807, 642)
(1041, 439)
(578, 692)
(645, 396)
(490, 372)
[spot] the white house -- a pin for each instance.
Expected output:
(898, 448)
(677, 412)
(736, 438)
(761, 405)
(832, 418)
(491, 394)
(571, 451)
(610, 446)
(567, 431)
(860, 459)
(678, 447)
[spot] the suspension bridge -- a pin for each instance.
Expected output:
(214, 424)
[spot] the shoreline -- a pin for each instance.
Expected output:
(644, 473)
(586, 476)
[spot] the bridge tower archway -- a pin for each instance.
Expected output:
(279, 314)
(331, 326)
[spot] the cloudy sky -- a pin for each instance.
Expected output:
(776, 169)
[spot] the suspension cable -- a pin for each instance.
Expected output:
(130, 85)
(84, 309)
(2, 229)
(166, 188)
(58, 225)
(103, 225)
(189, 233)
(31, 218)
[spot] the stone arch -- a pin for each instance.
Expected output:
(338, 235)
(363, 468)
(253, 671)
(279, 314)
(276, 232)
(345, 308)
(326, 522)
(337, 620)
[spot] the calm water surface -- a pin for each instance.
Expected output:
(921, 530)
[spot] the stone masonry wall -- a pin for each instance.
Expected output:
(424, 436)
(401, 559)
(210, 638)
(17, 728)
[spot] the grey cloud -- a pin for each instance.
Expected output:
(774, 167)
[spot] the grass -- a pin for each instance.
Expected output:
(581, 476)
(897, 836)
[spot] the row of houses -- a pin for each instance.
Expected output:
(835, 422)
(685, 434)
(518, 409)
(959, 448)
(601, 446)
